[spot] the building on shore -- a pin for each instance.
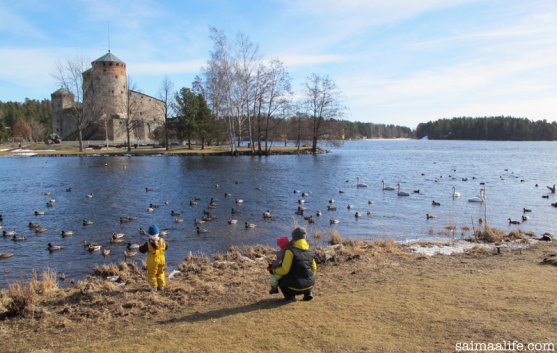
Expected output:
(109, 107)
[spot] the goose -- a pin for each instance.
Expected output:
(8, 233)
(66, 233)
(201, 230)
(118, 235)
(360, 185)
(94, 247)
(16, 237)
(318, 213)
(435, 203)
(525, 210)
(87, 222)
(525, 218)
(250, 225)
(513, 222)
(232, 221)
(52, 248)
(331, 208)
(40, 213)
(40, 230)
(357, 215)
(386, 187)
(334, 221)
(174, 213)
(401, 193)
(132, 246)
(106, 252)
(480, 198)
(178, 220)
(552, 189)
(456, 194)
(429, 216)
(130, 253)
(6, 255)
(267, 214)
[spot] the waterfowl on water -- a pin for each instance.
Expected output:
(87, 222)
(334, 221)
(250, 225)
(150, 209)
(552, 188)
(52, 248)
(130, 253)
(132, 246)
(318, 213)
(178, 220)
(142, 231)
(296, 191)
(69, 189)
(90, 195)
(267, 215)
(116, 241)
(94, 247)
(369, 202)
(525, 210)
(6, 255)
(167, 202)
(149, 189)
(239, 201)
(16, 237)
(435, 203)
(33, 225)
(154, 205)
(164, 232)
(429, 216)
(309, 219)
(357, 215)
(300, 211)
(199, 221)
(359, 184)
(369, 213)
(39, 230)
(106, 252)
(301, 201)
(174, 213)
(40, 213)
(118, 235)
(513, 222)
(331, 208)
(232, 221)
(227, 194)
(46, 193)
(305, 193)
(386, 187)
(331, 200)
(480, 198)
(193, 203)
(456, 194)
(401, 193)
(349, 207)
(525, 218)
(8, 233)
(545, 196)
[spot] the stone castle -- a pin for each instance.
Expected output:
(109, 107)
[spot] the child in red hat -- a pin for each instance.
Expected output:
(282, 243)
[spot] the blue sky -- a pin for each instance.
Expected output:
(396, 62)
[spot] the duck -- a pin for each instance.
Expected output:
(132, 246)
(124, 220)
(33, 225)
(552, 188)
(250, 225)
(401, 193)
(435, 203)
(305, 193)
(370, 202)
(46, 193)
(386, 187)
(87, 222)
(6, 255)
(118, 235)
(341, 191)
(66, 233)
(130, 253)
(52, 248)
(150, 209)
(267, 215)
(164, 232)
(318, 213)
(193, 203)
(201, 230)
(94, 247)
(301, 201)
(232, 221)
(300, 211)
(116, 241)
(49, 204)
(154, 205)
(178, 220)
(309, 219)
(429, 216)
(350, 207)
(480, 198)
(40, 230)
(40, 213)
(167, 202)
(331, 201)
(234, 211)
(334, 221)
(106, 252)
(296, 191)
(62, 276)
(417, 191)
(513, 222)
(357, 215)
(16, 237)
(369, 213)
(142, 231)
(227, 194)
(331, 208)
(90, 195)
(199, 221)
(456, 194)
(8, 233)
(239, 201)
(525, 218)
(526, 210)
(69, 189)
(149, 189)
(545, 196)
(359, 184)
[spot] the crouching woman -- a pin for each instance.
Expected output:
(297, 268)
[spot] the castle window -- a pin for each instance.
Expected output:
(115, 76)
(110, 64)
(112, 91)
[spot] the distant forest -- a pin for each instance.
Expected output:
(496, 128)
(27, 121)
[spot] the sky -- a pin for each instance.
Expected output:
(395, 62)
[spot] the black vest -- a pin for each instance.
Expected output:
(300, 276)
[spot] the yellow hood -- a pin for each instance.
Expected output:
(301, 244)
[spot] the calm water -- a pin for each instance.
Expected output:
(510, 171)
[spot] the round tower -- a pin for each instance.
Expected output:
(105, 90)
(60, 101)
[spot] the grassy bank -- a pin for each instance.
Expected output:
(41, 149)
(370, 297)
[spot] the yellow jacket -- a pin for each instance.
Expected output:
(284, 268)
(155, 254)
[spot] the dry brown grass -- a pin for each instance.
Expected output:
(335, 237)
(376, 297)
(20, 297)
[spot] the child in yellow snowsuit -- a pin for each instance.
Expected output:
(156, 260)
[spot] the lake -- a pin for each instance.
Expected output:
(510, 171)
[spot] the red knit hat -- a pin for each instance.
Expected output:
(282, 242)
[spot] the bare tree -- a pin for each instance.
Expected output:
(69, 75)
(322, 101)
(132, 118)
(165, 95)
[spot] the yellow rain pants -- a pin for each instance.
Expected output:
(156, 263)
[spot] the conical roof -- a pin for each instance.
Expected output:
(61, 90)
(108, 57)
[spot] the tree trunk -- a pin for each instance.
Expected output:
(128, 128)
(80, 136)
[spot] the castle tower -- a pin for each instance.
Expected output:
(62, 101)
(105, 90)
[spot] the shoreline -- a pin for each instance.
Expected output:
(369, 297)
